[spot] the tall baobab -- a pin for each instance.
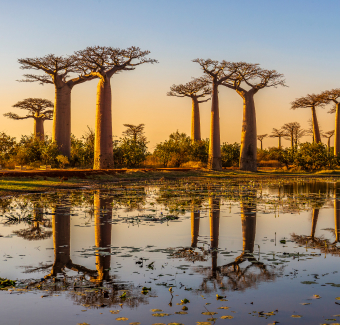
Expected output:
(58, 69)
(216, 72)
(38, 109)
(334, 96)
(278, 133)
(195, 89)
(250, 78)
(290, 130)
(311, 101)
(261, 137)
(328, 136)
(104, 62)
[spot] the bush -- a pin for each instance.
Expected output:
(230, 154)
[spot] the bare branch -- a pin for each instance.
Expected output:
(310, 101)
(196, 88)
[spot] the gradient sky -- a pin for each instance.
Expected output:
(298, 38)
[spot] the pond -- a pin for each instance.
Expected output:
(174, 252)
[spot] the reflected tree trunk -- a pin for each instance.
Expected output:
(214, 218)
(315, 216)
(337, 130)
(195, 226)
(248, 218)
(336, 217)
(103, 227)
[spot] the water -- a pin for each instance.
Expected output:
(239, 251)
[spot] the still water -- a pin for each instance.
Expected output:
(174, 252)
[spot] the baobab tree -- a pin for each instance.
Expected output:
(328, 136)
(38, 109)
(195, 89)
(309, 131)
(278, 133)
(103, 62)
(311, 101)
(57, 70)
(250, 78)
(291, 129)
(261, 137)
(215, 72)
(135, 132)
(334, 96)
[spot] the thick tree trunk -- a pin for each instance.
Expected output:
(316, 131)
(61, 133)
(337, 130)
(315, 216)
(103, 147)
(248, 218)
(214, 205)
(39, 129)
(195, 121)
(195, 226)
(102, 224)
(336, 218)
(215, 161)
(248, 156)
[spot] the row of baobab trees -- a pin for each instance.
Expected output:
(98, 62)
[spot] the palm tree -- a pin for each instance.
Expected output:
(249, 79)
(261, 137)
(215, 72)
(311, 101)
(278, 133)
(104, 62)
(195, 89)
(38, 109)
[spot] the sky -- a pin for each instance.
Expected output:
(297, 38)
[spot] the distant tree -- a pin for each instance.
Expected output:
(311, 101)
(135, 132)
(195, 89)
(250, 78)
(334, 96)
(38, 109)
(261, 137)
(309, 131)
(216, 72)
(57, 70)
(328, 136)
(278, 133)
(290, 130)
(103, 62)
(298, 134)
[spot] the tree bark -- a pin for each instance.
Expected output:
(103, 227)
(248, 218)
(337, 130)
(195, 226)
(248, 156)
(39, 129)
(315, 216)
(214, 205)
(215, 161)
(316, 131)
(195, 121)
(292, 140)
(61, 133)
(279, 142)
(103, 147)
(261, 145)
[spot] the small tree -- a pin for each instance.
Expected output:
(135, 132)
(311, 101)
(38, 109)
(290, 129)
(261, 137)
(328, 136)
(278, 133)
(195, 89)
(62, 160)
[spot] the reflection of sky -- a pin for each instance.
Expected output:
(298, 38)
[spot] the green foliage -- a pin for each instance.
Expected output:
(63, 161)
(82, 150)
(132, 152)
(230, 154)
(5, 283)
(7, 147)
(200, 151)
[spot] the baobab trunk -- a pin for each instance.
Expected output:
(248, 156)
(39, 129)
(103, 147)
(195, 226)
(316, 131)
(248, 218)
(215, 161)
(195, 121)
(102, 224)
(337, 130)
(214, 205)
(279, 142)
(315, 216)
(61, 133)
